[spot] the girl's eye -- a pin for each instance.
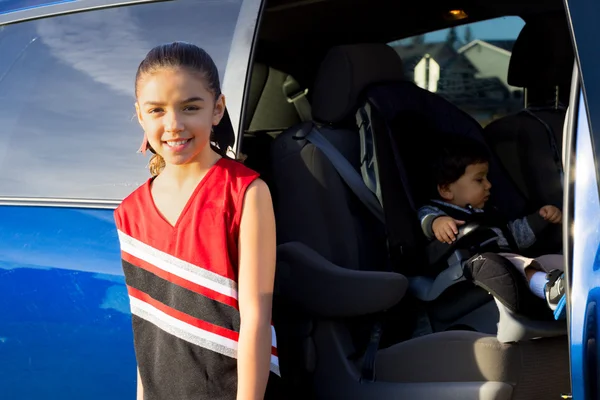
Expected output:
(155, 110)
(191, 108)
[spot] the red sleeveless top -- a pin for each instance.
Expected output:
(182, 285)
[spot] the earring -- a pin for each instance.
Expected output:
(145, 146)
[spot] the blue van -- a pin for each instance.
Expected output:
(356, 314)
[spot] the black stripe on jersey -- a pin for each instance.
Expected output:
(182, 299)
(172, 368)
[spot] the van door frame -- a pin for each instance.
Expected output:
(583, 195)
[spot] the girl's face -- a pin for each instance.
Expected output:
(177, 112)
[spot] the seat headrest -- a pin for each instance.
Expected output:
(346, 72)
(542, 55)
(267, 107)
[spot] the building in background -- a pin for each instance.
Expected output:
(471, 74)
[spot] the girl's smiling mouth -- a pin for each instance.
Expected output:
(178, 144)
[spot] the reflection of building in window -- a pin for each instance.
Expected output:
(473, 77)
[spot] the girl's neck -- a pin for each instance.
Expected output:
(180, 175)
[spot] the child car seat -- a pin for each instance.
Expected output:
(395, 142)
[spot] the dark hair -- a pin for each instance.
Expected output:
(452, 157)
(180, 55)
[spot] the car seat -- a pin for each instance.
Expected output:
(333, 271)
(529, 143)
(398, 115)
(275, 102)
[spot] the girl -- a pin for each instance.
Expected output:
(197, 243)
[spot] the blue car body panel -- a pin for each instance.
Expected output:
(66, 327)
(585, 281)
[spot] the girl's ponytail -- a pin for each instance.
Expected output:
(156, 164)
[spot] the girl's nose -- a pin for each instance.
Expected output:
(172, 122)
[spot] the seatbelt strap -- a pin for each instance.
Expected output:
(297, 97)
(346, 171)
(367, 373)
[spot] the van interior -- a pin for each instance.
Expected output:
(362, 309)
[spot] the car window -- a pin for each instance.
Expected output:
(467, 65)
(67, 122)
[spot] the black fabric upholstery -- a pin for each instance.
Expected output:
(418, 119)
(267, 113)
(543, 54)
(522, 144)
(346, 72)
(499, 276)
(529, 143)
(315, 207)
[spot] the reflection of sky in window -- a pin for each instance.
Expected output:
(494, 29)
(66, 93)
(15, 5)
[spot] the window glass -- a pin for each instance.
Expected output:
(67, 116)
(467, 65)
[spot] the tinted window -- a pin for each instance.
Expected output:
(67, 125)
(467, 65)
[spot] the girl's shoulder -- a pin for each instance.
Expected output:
(134, 201)
(236, 168)
(237, 175)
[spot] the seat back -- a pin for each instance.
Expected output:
(316, 208)
(268, 112)
(529, 143)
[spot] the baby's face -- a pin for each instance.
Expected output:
(471, 188)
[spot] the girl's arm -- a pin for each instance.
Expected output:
(255, 291)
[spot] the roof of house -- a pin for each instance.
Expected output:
(478, 42)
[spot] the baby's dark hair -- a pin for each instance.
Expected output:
(453, 156)
(179, 55)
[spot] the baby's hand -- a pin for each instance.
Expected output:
(551, 214)
(445, 229)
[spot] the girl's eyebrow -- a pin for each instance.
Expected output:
(192, 99)
(189, 100)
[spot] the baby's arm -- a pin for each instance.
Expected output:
(427, 214)
(437, 225)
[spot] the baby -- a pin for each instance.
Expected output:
(460, 175)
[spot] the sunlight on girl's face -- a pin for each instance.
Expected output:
(177, 111)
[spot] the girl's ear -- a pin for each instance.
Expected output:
(445, 192)
(138, 112)
(219, 110)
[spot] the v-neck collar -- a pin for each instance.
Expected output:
(189, 200)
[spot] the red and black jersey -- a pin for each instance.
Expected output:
(182, 285)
